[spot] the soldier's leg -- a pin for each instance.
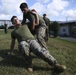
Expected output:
(45, 55)
(42, 53)
(24, 50)
(41, 33)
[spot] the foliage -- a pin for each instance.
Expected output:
(2, 27)
(55, 28)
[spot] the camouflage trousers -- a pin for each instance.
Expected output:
(41, 36)
(33, 45)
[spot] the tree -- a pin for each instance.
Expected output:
(55, 28)
(1, 27)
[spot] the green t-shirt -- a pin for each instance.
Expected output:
(41, 20)
(47, 21)
(22, 33)
(31, 17)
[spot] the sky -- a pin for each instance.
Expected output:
(56, 10)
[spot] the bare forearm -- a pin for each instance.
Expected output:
(37, 19)
(12, 45)
(33, 27)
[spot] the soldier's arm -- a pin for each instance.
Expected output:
(12, 46)
(12, 43)
(32, 21)
(36, 18)
(24, 19)
(33, 25)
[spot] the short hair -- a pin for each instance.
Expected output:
(33, 10)
(23, 5)
(13, 18)
(44, 14)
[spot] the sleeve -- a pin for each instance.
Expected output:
(31, 18)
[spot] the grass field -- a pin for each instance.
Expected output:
(63, 51)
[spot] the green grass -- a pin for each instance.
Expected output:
(64, 51)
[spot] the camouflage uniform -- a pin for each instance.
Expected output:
(40, 30)
(31, 44)
(27, 42)
(41, 35)
(47, 21)
(37, 50)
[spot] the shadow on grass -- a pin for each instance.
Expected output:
(18, 61)
(55, 72)
(52, 70)
(12, 60)
(37, 68)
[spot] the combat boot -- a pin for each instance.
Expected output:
(59, 67)
(30, 69)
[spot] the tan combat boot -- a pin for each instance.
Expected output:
(60, 68)
(30, 69)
